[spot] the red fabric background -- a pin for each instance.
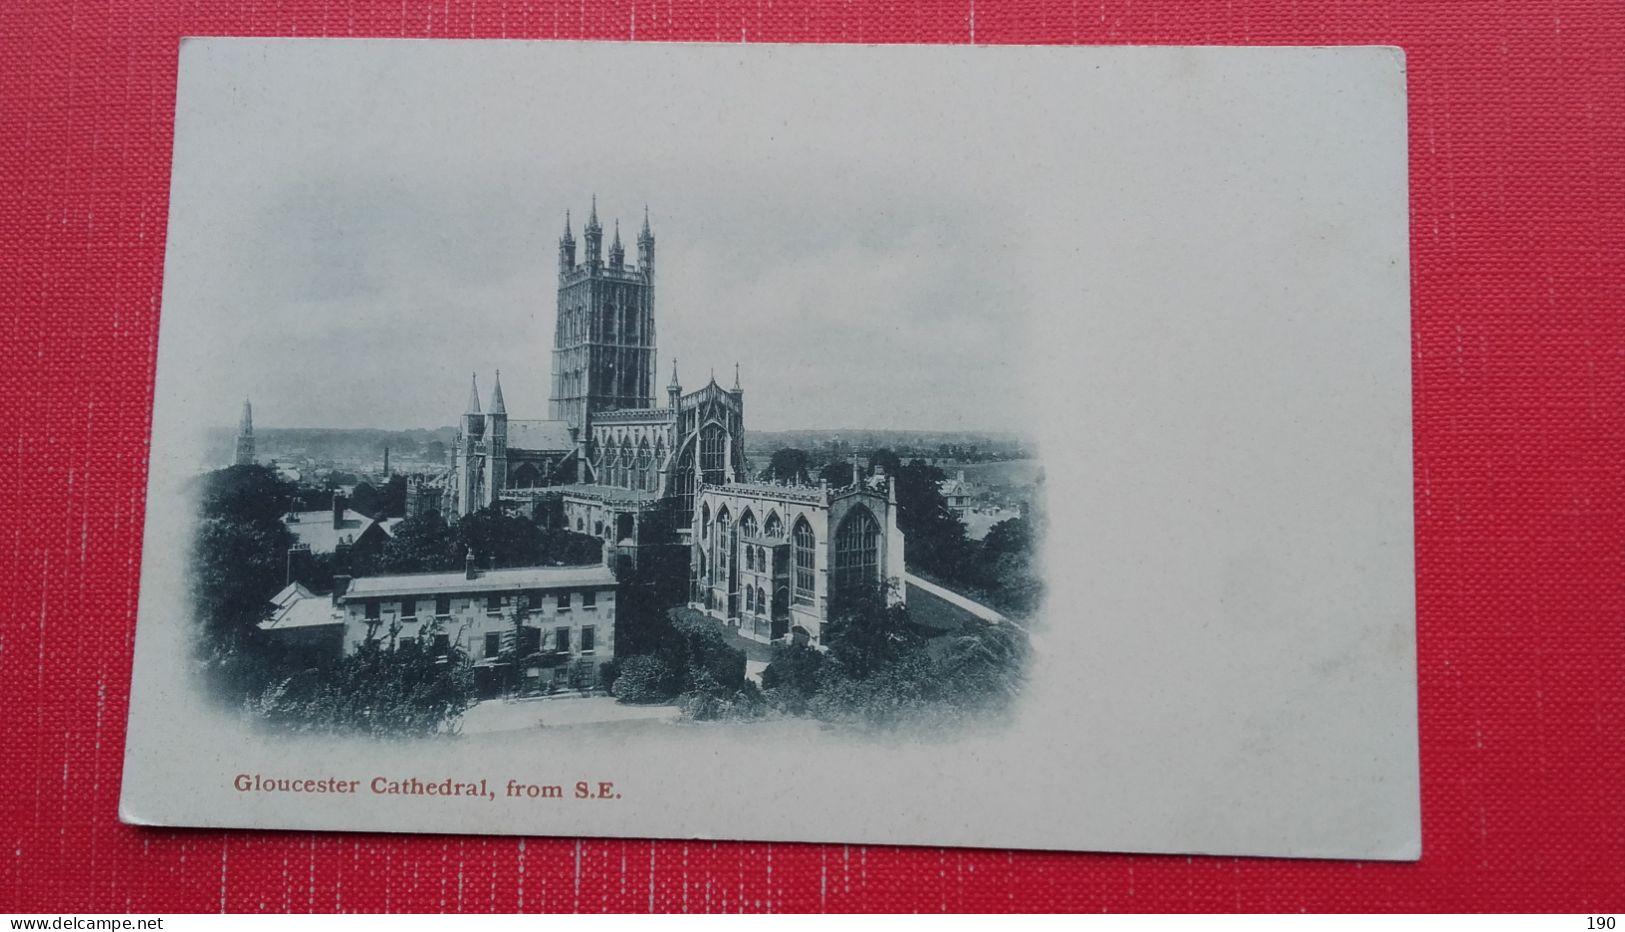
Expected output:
(1517, 118)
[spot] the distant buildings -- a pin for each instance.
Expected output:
(957, 493)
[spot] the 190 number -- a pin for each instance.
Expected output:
(1600, 922)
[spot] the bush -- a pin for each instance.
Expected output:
(703, 648)
(645, 679)
(407, 691)
(792, 678)
(708, 701)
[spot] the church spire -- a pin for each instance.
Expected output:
(646, 236)
(737, 389)
(674, 382)
(497, 407)
(473, 395)
(245, 436)
(592, 215)
(568, 237)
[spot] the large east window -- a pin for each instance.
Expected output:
(857, 549)
(713, 454)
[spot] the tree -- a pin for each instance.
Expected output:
(884, 458)
(837, 473)
(365, 499)
(936, 536)
(864, 632)
(647, 592)
(499, 540)
(249, 494)
(422, 544)
(789, 465)
(392, 498)
(237, 567)
(564, 547)
(384, 690)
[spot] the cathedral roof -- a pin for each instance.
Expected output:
(542, 436)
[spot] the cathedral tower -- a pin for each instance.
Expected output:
(496, 444)
(245, 436)
(604, 334)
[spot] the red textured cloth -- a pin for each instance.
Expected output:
(1517, 119)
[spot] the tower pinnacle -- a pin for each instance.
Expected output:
(473, 395)
(497, 407)
(736, 377)
(617, 252)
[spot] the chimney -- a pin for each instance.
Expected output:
(341, 585)
(386, 462)
(961, 475)
(469, 570)
(338, 510)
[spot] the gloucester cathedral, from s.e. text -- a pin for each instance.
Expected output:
(763, 557)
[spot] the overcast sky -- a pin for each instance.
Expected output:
(358, 227)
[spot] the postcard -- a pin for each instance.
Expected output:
(998, 447)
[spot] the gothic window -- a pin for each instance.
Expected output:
(804, 562)
(609, 323)
(705, 522)
(857, 549)
(724, 543)
(645, 477)
(713, 454)
(682, 484)
(750, 558)
(750, 599)
(747, 525)
(761, 600)
(774, 528)
(526, 476)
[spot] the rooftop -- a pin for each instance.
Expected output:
(298, 607)
(315, 529)
(606, 492)
(524, 577)
(542, 436)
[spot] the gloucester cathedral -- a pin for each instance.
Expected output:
(763, 556)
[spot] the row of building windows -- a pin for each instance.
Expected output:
(531, 641)
(530, 601)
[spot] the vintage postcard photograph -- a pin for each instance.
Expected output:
(905, 445)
